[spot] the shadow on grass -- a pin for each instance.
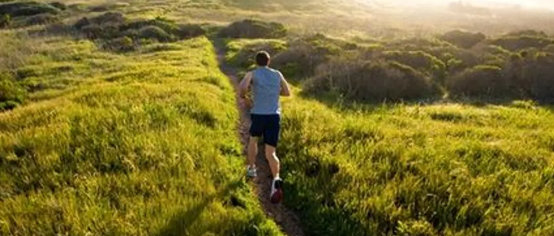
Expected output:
(181, 221)
(337, 102)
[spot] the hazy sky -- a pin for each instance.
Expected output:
(526, 3)
(542, 4)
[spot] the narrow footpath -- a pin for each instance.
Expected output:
(286, 219)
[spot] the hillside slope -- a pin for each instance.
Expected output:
(136, 143)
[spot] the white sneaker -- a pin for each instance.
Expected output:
(276, 195)
(251, 172)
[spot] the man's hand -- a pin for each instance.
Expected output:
(244, 85)
(246, 103)
(285, 88)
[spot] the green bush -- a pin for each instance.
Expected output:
(304, 55)
(463, 39)
(242, 52)
(515, 43)
(5, 20)
(41, 19)
(27, 9)
(253, 29)
(154, 32)
(110, 25)
(186, 31)
(59, 5)
(422, 61)
(539, 72)
(113, 18)
(166, 25)
(121, 44)
(362, 80)
(481, 81)
(11, 93)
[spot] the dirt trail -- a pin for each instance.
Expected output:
(286, 219)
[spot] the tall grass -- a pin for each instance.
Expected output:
(418, 169)
(139, 143)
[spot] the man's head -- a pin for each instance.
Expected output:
(262, 58)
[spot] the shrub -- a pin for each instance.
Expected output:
(59, 5)
(105, 26)
(549, 48)
(11, 93)
(5, 21)
(363, 80)
(463, 39)
(112, 18)
(514, 43)
(539, 72)
(241, 52)
(528, 33)
(94, 31)
(27, 9)
(422, 61)
(305, 54)
(300, 60)
(112, 25)
(109, 6)
(164, 24)
(121, 44)
(154, 32)
(481, 81)
(253, 29)
(186, 31)
(41, 19)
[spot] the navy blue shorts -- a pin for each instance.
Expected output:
(267, 126)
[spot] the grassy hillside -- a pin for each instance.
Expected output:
(414, 169)
(449, 169)
(136, 143)
(116, 120)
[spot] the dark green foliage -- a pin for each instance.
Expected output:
(41, 19)
(122, 44)
(117, 33)
(112, 25)
(59, 5)
(108, 6)
(27, 9)
(11, 93)
(304, 55)
(533, 33)
(253, 29)
(165, 25)
(375, 81)
(5, 20)
(463, 39)
(186, 31)
(114, 18)
(482, 80)
(242, 54)
(421, 61)
(154, 32)
(514, 43)
(533, 75)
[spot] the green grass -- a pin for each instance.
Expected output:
(417, 169)
(136, 143)
(432, 169)
(144, 142)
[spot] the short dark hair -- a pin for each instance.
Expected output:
(262, 58)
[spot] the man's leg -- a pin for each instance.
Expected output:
(273, 161)
(252, 151)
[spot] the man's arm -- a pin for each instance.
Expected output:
(245, 85)
(285, 88)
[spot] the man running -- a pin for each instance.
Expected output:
(267, 85)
